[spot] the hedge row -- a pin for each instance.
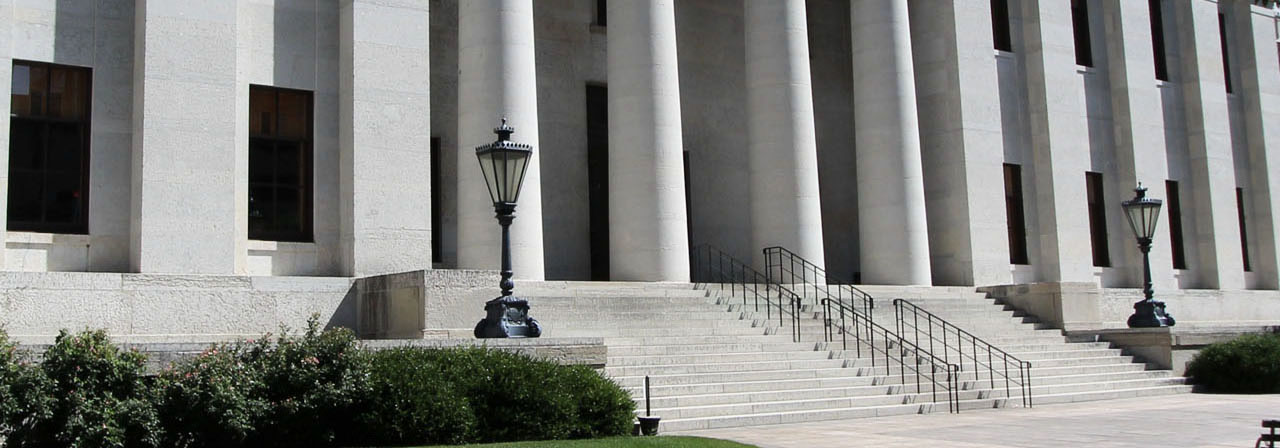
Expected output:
(316, 389)
(1248, 364)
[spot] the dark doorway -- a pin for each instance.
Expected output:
(598, 178)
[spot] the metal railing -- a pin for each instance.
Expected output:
(787, 268)
(713, 267)
(893, 347)
(953, 339)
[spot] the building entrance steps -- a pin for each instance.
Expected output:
(715, 361)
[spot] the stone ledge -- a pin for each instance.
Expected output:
(1168, 348)
(585, 351)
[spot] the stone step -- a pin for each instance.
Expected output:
(660, 390)
(715, 357)
(743, 329)
(714, 367)
(625, 350)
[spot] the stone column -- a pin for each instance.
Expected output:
(1216, 235)
(892, 228)
(186, 153)
(1255, 31)
(785, 206)
(1059, 143)
(384, 137)
(1139, 127)
(962, 143)
(648, 237)
(496, 79)
(6, 79)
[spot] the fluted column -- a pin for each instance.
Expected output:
(497, 79)
(648, 236)
(785, 206)
(892, 228)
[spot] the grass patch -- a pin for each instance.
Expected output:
(616, 442)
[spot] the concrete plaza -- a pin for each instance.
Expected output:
(1189, 420)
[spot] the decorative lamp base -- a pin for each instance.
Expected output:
(507, 317)
(1150, 314)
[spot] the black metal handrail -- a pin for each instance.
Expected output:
(786, 267)
(861, 323)
(955, 339)
(712, 266)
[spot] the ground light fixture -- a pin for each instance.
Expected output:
(504, 164)
(1143, 213)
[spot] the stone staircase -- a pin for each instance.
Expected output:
(716, 363)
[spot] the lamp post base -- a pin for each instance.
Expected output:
(507, 317)
(1150, 314)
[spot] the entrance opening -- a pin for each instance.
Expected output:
(598, 179)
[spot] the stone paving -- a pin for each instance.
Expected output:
(1190, 420)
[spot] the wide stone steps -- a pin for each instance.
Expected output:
(715, 361)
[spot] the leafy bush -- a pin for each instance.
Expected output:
(1248, 364)
(473, 394)
(88, 393)
(26, 395)
(290, 391)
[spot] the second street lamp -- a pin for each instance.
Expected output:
(504, 164)
(1143, 213)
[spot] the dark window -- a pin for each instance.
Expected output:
(601, 16)
(1098, 219)
(1015, 216)
(1244, 234)
(1080, 23)
(1175, 224)
(598, 179)
(1157, 38)
(437, 201)
(49, 148)
(280, 172)
(1000, 25)
(1226, 51)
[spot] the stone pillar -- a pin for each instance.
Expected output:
(648, 237)
(496, 79)
(1059, 143)
(1255, 31)
(384, 137)
(892, 228)
(1216, 235)
(6, 79)
(785, 206)
(961, 143)
(1139, 133)
(186, 153)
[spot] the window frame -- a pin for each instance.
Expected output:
(306, 216)
(81, 224)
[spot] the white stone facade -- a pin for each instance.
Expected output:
(869, 135)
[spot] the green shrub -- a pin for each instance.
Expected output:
(290, 391)
(505, 397)
(89, 394)
(1248, 364)
(26, 395)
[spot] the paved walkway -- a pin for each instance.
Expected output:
(1189, 420)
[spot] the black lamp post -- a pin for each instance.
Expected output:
(504, 163)
(1143, 212)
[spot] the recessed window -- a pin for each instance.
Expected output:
(49, 148)
(1000, 25)
(1015, 215)
(280, 173)
(601, 18)
(437, 204)
(1097, 219)
(1226, 51)
(1080, 25)
(1156, 8)
(1175, 224)
(1244, 233)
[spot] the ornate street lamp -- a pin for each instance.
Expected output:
(1143, 212)
(504, 164)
